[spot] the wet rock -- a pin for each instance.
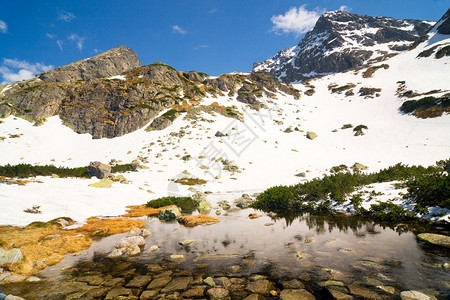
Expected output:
(99, 170)
(10, 257)
(304, 276)
(147, 295)
(331, 282)
(12, 297)
(416, 295)
(92, 279)
(186, 243)
(139, 232)
(435, 239)
(255, 277)
(115, 282)
(223, 281)
(296, 295)
(139, 281)
(15, 278)
(177, 284)
(357, 290)
(209, 281)
(254, 297)
(120, 291)
(204, 207)
(97, 292)
(115, 253)
(169, 214)
(195, 292)
(253, 216)
(262, 286)
(339, 295)
(388, 289)
(218, 293)
(130, 241)
(133, 250)
(176, 257)
(33, 279)
(159, 283)
(292, 284)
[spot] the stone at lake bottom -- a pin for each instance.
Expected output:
(115, 282)
(133, 250)
(159, 283)
(16, 278)
(11, 257)
(195, 292)
(139, 281)
(97, 292)
(338, 295)
(218, 293)
(177, 284)
(262, 287)
(292, 284)
(254, 297)
(12, 297)
(302, 294)
(435, 239)
(92, 279)
(130, 241)
(147, 295)
(209, 281)
(415, 295)
(120, 291)
(363, 292)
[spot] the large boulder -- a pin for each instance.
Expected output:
(8, 258)
(110, 63)
(169, 213)
(99, 170)
(435, 239)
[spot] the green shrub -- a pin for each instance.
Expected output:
(27, 170)
(388, 211)
(122, 168)
(274, 198)
(430, 190)
(185, 203)
(427, 102)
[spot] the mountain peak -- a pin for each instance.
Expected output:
(444, 27)
(339, 41)
(112, 62)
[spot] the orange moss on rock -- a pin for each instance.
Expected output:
(191, 221)
(105, 227)
(136, 211)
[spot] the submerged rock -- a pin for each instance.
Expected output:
(415, 295)
(301, 294)
(435, 239)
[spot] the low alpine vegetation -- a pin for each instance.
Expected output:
(185, 203)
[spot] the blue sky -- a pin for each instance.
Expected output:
(211, 36)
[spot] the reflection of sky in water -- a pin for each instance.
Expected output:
(351, 245)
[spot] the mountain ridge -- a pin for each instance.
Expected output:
(339, 41)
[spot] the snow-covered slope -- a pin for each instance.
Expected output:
(269, 148)
(341, 40)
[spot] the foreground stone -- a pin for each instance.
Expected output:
(302, 294)
(10, 257)
(218, 293)
(98, 170)
(435, 239)
(262, 287)
(177, 284)
(169, 213)
(415, 295)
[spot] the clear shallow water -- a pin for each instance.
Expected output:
(359, 250)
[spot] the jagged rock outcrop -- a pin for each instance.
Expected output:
(110, 63)
(110, 107)
(444, 27)
(339, 41)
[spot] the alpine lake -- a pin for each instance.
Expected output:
(273, 256)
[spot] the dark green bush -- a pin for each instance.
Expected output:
(430, 190)
(274, 198)
(388, 211)
(430, 101)
(27, 170)
(122, 168)
(185, 203)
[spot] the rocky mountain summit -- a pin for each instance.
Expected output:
(339, 41)
(88, 101)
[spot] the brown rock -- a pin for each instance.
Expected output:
(147, 295)
(195, 292)
(177, 284)
(159, 283)
(296, 295)
(120, 291)
(262, 287)
(139, 281)
(97, 292)
(218, 293)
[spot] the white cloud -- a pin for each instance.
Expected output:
(13, 70)
(178, 29)
(213, 11)
(344, 8)
(66, 16)
(201, 46)
(50, 36)
(295, 20)
(78, 40)
(3, 27)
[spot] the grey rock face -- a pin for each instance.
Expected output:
(339, 41)
(444, 27)
(110, 63)
(99, 170)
